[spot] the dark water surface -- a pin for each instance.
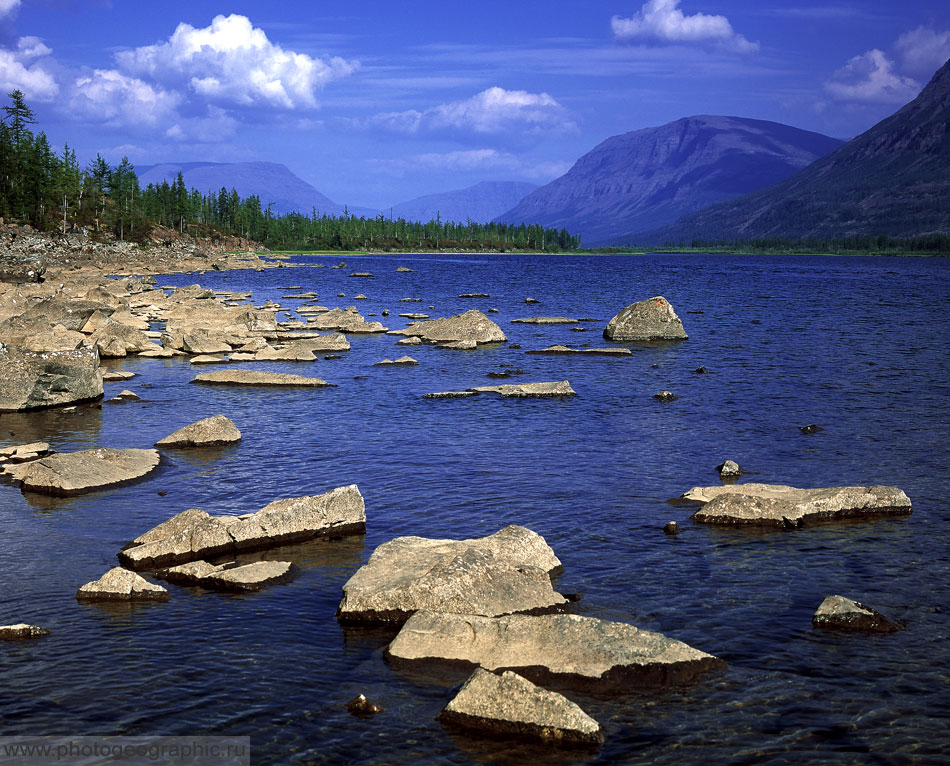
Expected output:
(858, 346)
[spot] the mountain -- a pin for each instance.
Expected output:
(481, 202)
(647, 178)
(270, 181)
(893, 179)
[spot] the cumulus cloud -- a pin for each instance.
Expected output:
(475, 160)
(923, 50)
(494, 111)
(218, 124)
(662, 22)
(8, 6)
(232, 62)
(871, 78)
(27, 68)
(116, 99)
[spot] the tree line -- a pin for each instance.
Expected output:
(52, 192)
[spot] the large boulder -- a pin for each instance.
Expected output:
(472, 326)
(507, 572)
(782, 506)
(652, 319)
(208, 432)
(120, 584)
(511, 706)
(194, 534)
(74, 473)
(840, 613)
(584, 652)
(30, 381)
(252, 378)
(115, 340)
(348, 320)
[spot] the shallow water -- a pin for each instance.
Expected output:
(856, 345)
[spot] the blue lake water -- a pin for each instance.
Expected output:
(855, 345)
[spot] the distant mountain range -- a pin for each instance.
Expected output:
(645, 178)
(893, 179)
(270, 181)
(480, 203)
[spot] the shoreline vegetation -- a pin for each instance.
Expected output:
(44, 192)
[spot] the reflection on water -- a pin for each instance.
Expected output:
(787, 342)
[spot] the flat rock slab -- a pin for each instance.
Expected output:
(208, 432)
(209, 359)
(450, 395)
(403, 360)
(230, 577)
(120, 584)
(840, 613)
(782, 506)
(588, 351)
(252, 378)
(194, 534)
(115, 375)
(544, 320)
(584, 652)
(472, 326)
(556, 388)
(652, 319)
(21, 632)
(507, 572)
(509, 705)
(24, 453)
(73, 473)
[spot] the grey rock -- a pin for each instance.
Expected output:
(208, 432)
(116, 375)
(782, 506)
(74, 473)
(652, 319)
(666, 396)
(671, 528)
(556, 388)
(544, 320)
(360, 706)
(209, 359)
(24, 453)
(30, 381)
(252, 378)
(249, 577)
(22, 632)
(194, 534)
(403, 360)
(729, 469)
(567, 350)
(413, 341)
(507, 572)
(450, 395)
(126, 396)
(472, 326)
(585, 652)
(840, 613)
(120, 584)
(507, 704)
(116, 340)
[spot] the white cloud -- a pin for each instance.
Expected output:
(25, 68)
(8, 6)
(113, 98)
(923, 50)
(870, 78)
(661, 21)
(232, 62)
(217, 125)
(494, 111)
(475, 160)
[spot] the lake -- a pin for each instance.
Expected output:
(858, 346)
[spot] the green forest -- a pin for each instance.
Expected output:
(53, 193)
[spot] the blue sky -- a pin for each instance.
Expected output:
(378, 102)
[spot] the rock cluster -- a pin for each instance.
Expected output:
(470, 329)
(32, 380)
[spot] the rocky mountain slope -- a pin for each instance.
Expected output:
(893, 179)
(647, 178)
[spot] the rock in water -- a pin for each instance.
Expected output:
(781, 506)
(208, 432)
(840, 613)
(21, 632)
(510, 705)
(585, 652)
(194, 534)
(555, 388)
(31, 381)
(120, 584)
(507, 572)
(249, 577)
(73, 473)
(362, 707)
(471, 326)
(729, 469)
(252, 378)
(652, 319)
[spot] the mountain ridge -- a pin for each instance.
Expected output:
(481, 202)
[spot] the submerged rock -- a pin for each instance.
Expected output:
(840, 613)
(666, 396)
(729, 469)
(252, 378)
(509, 705)
(73, 473)
(360, 705)
(403, 360)
(507, 572)
(580, 651)
(22, 632)
(472, 326)
(450, 395)
(544, 320)
(194, 534)
(652, 319)
(556, 388)
(120, 584)
(31, 381)
(782, 506)
(208, 432)
(559, 349)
